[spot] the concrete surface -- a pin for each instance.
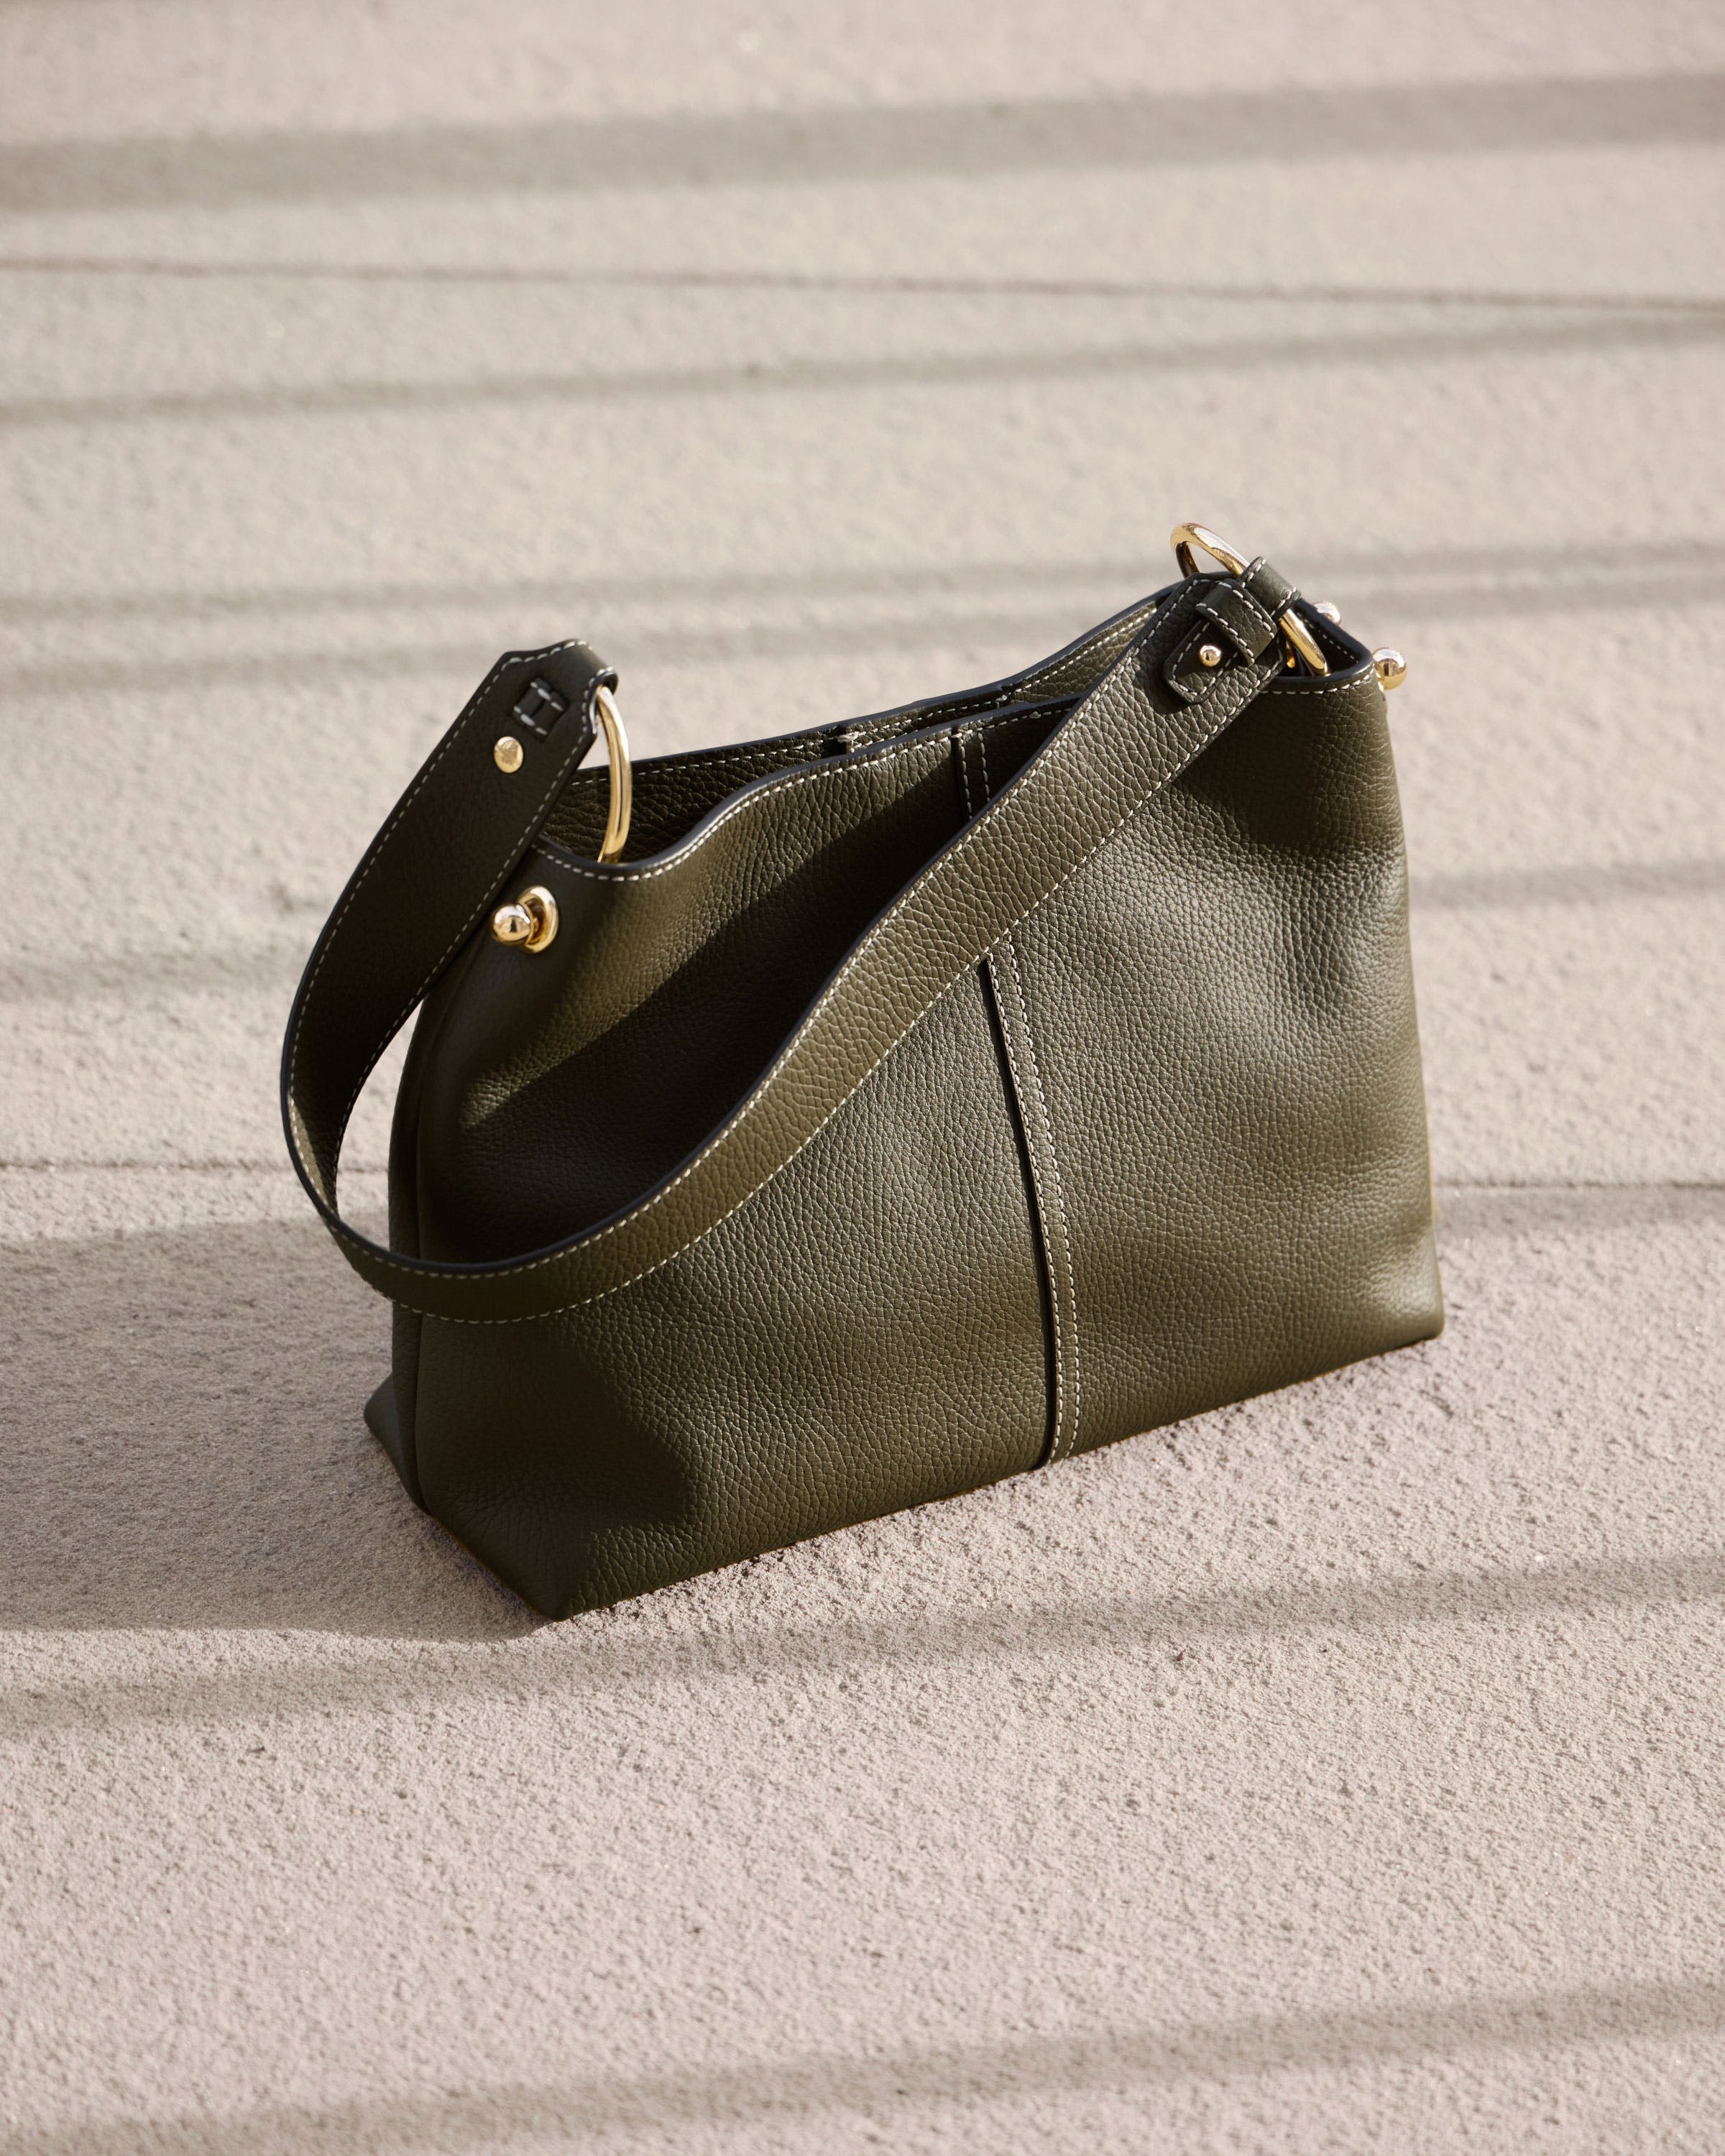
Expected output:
(1345, 1771)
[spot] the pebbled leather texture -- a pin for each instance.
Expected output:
(926, 1098)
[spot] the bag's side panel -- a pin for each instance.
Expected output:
(390, 1411)
(865, 1333)
(1222, 1004)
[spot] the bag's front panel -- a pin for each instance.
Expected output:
(1221, 1009)
(1164, 1148)
(866, 1333)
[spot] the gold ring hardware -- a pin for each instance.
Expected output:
(532, 920)
(622, 777)
(1185, 537)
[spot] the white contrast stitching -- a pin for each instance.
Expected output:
(964, 738)
(532, 725)
(381, 1261)
(1266, 622)
(1010, 942)
(1279, 688)
(829, 768)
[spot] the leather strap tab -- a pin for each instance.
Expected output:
(459, 832)
(1240, 619)
(1240, 613)
(1268, 587)
(1230, 624)
(430, 875)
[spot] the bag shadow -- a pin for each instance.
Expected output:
(185, 1447)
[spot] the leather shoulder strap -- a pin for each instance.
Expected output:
(447, 852)
(425, 882)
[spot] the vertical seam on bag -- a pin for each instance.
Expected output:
(1010, 941)
(1070, 1314)
(1064, 1312)
(1039, 1210)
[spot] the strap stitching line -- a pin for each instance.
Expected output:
(1267, 622)
(383, 1261)
(964, 738)
(532, 725)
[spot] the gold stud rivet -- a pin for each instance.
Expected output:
(508, 753)
(1390, 668)
(1210, 655)
(532, 920)
(1329, 613)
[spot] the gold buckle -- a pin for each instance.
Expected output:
(1185, 537)
(532, 920)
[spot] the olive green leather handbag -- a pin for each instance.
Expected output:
(812, 1128)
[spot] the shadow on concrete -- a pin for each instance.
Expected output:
(1574, 883)
(1044, 622)
(1434, 571)
(1026, 628)
(666, 1641)
(567, 154)
(1438, 339)
(185, 1446)
(883, 283)
(270, 962)
(185, 1451)
(1027, 2069)
(1508, 1210)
